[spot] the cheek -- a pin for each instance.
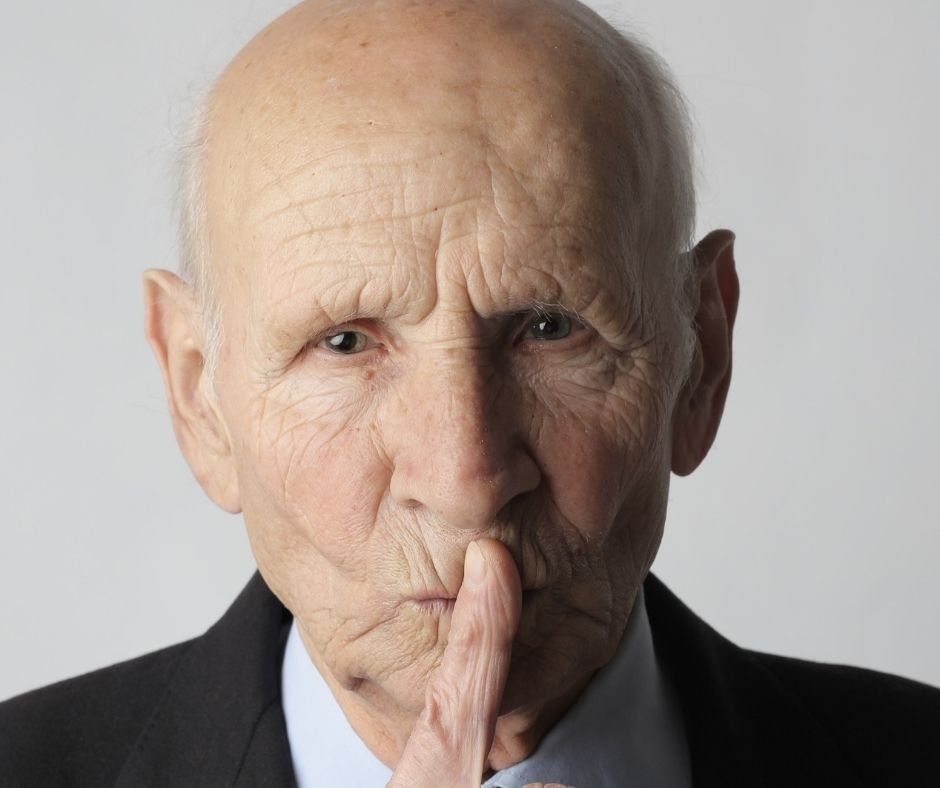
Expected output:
(311, 483)
(603, 443)
(583, 472)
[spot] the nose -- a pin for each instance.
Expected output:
(457, 446)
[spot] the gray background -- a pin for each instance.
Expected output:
(811, 530)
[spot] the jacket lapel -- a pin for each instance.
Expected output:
(744, 726)
(220, 720)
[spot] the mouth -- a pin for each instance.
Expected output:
(441, 605)
(436, 605)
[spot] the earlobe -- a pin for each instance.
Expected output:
(700, 405)
(173, 327)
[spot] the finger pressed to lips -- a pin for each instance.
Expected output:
(454, 733)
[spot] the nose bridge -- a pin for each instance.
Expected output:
(457, 453)
(464, 412)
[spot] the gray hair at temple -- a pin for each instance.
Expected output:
(665, 221)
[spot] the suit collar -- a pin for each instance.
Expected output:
(220, 721)
(744, 726)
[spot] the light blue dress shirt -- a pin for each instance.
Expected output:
(624, 731)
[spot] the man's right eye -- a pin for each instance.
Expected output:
(346, 343)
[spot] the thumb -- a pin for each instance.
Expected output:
(453, 735)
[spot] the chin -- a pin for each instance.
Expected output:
(531, 687)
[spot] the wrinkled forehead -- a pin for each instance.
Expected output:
(346, 125)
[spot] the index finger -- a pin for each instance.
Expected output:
(453, 735)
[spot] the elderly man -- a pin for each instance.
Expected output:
(443, 340)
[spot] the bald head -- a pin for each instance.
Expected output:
(545, 87)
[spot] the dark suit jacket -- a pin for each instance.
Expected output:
(207, 712)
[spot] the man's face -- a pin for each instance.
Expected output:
(432, 335)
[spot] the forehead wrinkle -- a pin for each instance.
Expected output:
(529, 283)
(406, 249)
(285, 76)
(307, 262)
(341, 291)
(357, 167)
(516, 268)
(372, 188)
(468, 280)
(363, 163)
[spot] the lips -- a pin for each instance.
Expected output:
(439, 603)
(436, 605)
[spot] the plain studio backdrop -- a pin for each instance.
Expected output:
(812, 528)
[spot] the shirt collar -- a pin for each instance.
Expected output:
(624, 729)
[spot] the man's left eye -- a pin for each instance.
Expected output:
(346, 343)
(549, 326)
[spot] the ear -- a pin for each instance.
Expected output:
(702, 400)
(174, 330)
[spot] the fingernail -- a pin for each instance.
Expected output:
(474, 565)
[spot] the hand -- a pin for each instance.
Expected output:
(453, 736)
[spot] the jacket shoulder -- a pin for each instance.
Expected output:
(885, 725)
(79, 731)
